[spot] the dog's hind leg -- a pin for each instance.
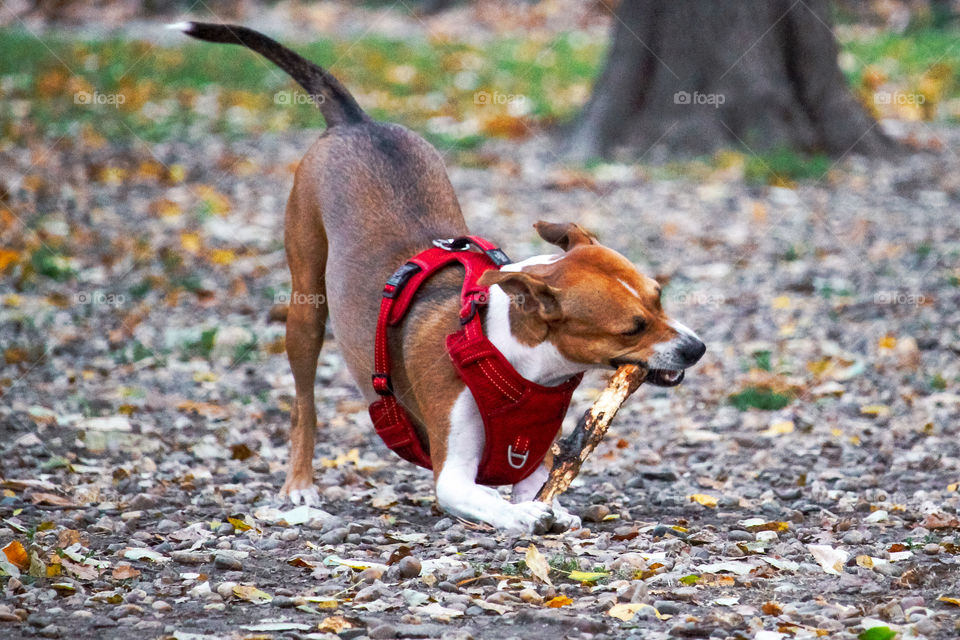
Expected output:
(306, 247)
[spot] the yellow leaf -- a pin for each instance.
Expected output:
(781, 302)
(953, 601)
(559, 601)
(222, 256)
(538, 564)
(879, 410)
(887, 342)
(779, 428)
(351, 456)
(953, 487)
(190, 242)
(17, 555)
(704, 499)
(177, 173)
(587, 576)
(238, 524)
(627, 611)
(251, 594)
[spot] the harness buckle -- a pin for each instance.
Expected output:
(453, 244)
(399, 278)
(382, 384)
(498, 256)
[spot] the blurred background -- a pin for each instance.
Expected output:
(787, 170)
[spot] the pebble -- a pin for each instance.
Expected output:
(410, 567)
(739, 535)
(931, 549)
(161, 606)
(382, 632)
(595, 513)
(853, 537)
(531, 596)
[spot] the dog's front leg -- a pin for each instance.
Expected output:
(528, 488)
(457, 491)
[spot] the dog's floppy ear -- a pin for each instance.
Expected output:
(565, 235)
(531, 294)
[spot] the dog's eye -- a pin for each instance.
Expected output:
(639, 324)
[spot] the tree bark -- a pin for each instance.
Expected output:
(695, 75)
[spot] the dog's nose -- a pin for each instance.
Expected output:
(691, 351)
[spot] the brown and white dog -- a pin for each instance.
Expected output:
(369, 195)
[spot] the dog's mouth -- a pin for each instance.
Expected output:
(657, 377)
(665, 377)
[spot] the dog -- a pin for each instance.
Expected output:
(369, 195)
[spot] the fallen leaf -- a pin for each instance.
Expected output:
(627, 611)
(953, 601)
(124, 572)
(772, 608)
(538, 565)
(878, 633)
(704, 499)
(277, 626)
(558, 601)
(51, 499)
(238, 523)
(334, 624)
(144, 554)
(17, 555)
(830, 559)
(251, 594)
(738, 568)
(587, 576)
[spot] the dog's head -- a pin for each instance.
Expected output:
(594, 306)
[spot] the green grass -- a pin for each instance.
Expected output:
(782, 166)
(905, 55)
(758, 398)
(158, 93)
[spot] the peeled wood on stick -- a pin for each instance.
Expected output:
(570, 452)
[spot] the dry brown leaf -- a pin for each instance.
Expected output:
(538, 565)
(51, 499)
(941, 521)
(124, 572)
(251, 594)
(334, 624)
(772, 608)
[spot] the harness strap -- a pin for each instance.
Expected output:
(390, 419)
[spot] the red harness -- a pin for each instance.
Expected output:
(520, 418)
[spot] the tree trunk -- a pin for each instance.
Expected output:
(695, 75)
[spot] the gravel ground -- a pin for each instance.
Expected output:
(142, 451)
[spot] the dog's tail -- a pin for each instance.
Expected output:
(332, 98)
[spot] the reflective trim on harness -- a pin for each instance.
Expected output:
(520, 418)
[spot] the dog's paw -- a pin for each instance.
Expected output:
(300, 494)
(530, 517)
(563, 520)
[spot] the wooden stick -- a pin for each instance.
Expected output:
(571, 452)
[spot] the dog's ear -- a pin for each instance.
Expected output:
(565, 235)
(531, 294)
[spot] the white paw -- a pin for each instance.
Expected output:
(563, 520)
(308, 496)
(529, 517)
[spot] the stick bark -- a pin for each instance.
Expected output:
(571, 452)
